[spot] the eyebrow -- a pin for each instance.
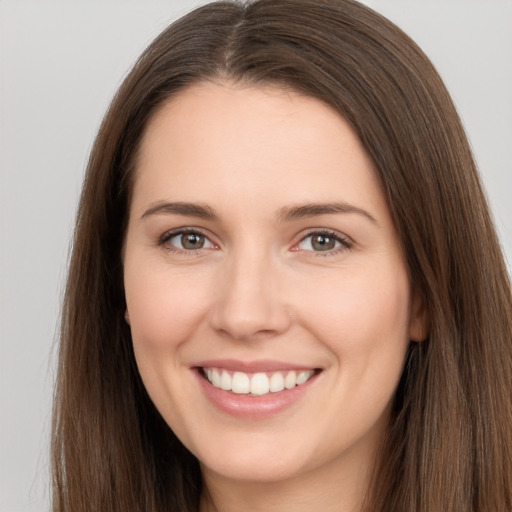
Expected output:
(317, 209)
(202, 211)
(288, 213)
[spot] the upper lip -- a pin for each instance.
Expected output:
(252, 366)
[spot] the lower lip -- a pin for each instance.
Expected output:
(253, 407)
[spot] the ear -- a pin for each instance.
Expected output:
(127, 316)
(419, 318)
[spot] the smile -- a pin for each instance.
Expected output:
(256, 384)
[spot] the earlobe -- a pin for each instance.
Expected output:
(419, 321)
(127, 317)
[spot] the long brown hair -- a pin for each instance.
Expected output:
(449, 445)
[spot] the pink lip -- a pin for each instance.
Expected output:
(251, 367)
(252, 407)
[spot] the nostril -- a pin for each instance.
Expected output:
(244, 322)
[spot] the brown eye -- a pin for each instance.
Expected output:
(192, 241)
(323, 242)
(189, 241)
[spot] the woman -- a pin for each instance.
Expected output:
(286, 291)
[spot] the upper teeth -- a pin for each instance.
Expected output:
(256, 383)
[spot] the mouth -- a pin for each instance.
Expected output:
(256, 384)
(256, 390)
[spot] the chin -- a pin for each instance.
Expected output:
(263, 472)
(258, 462)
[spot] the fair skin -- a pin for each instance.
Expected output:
(229, 269)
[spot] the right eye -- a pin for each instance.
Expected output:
(186, 241)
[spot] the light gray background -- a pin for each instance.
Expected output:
(60, 63)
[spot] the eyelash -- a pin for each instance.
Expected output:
(169, 235)
(345, 242)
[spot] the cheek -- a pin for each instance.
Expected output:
(165, 311)
(362, 316)
(364, 323)
(164, 307)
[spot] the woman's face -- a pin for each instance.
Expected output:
(269, 303)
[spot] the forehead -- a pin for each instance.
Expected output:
(221, 141)
(224, 108)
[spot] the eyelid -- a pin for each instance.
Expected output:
(345, 241)
(171, 233)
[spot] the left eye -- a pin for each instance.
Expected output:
(189, 241)
(319, 242)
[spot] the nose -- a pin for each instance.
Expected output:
(249, 302)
